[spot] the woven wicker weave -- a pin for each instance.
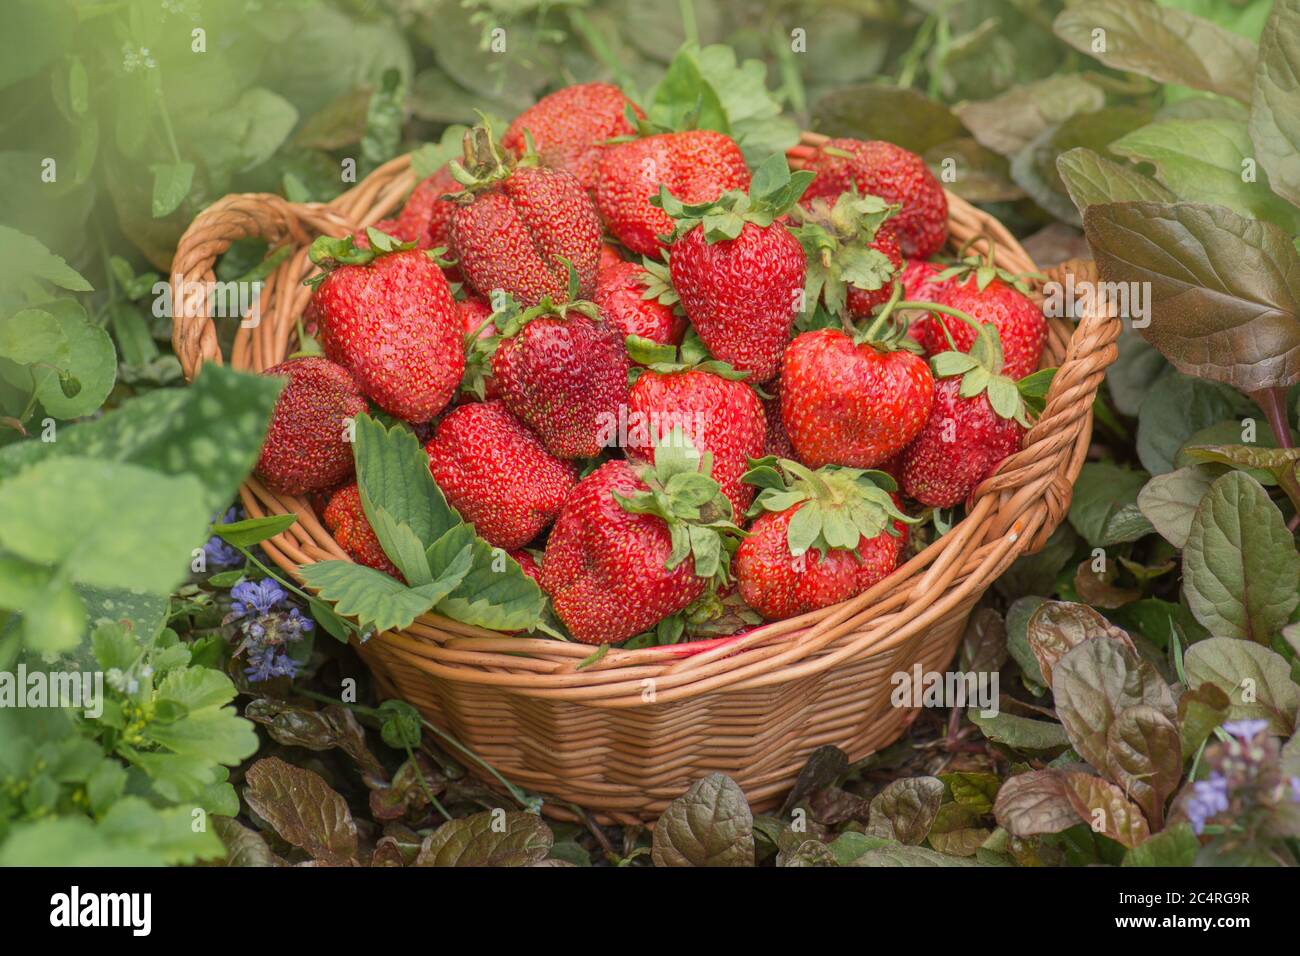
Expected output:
(626, 735)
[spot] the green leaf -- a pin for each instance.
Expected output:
(878, 111)
(1274, 119)
(1009, 121)
(1104, 509)
(86, 366)
(1200, 711)
(1176, 845)
(1020, 733)
(1207, 160)
(23, 258)
(375, 599)
(253, 531)
(1169, 501)
(1092, 178)
(33, 335)
(1257, 680)
(171, 184)
(393, 472)
(1166, 44)
(99, 521)
(488, 839)
(1240, 566)
(212, 431)
(1225, 291)
(495, 593)
(709, 825)
(753, 112)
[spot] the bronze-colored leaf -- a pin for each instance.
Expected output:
(1145, 758)
(493, 838)
(303, 809)
(1103, 806)
(905, 809)
(709, 825)
(1033, 803)
(1056, 627)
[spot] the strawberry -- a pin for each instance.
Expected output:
(637, 300)
(717, 412)
(977, 420)
(820, 537)
(849, 399)
(480, 334)
(636, 543)
(569, 127)
(920, 279)
(520, 227)
(497, 473)
(387, 315)
(882, 169)
(563, 373)
(609, 257)
(853, 253)
(776, 443)
(346, 520)
(696, 166)
(990, 296)
(738, 271)
(306, 447)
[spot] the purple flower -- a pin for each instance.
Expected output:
(1246, 729)
(1295, 789)
(1208, 799)
(218, 553)
(268, 662)
(256, 597)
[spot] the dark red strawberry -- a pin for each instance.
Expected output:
(609, 256)
(738, 271)
(820, 537)
(696, 166)
(563, 373)
(635, 544)
(346, 520)
(978, 419)
(853, 254)
(569, 127)
(882, 169)
(716, 412)
(854, 403)
(522, 228)
(497, 473)
(389, 318)
(637, 300)
(306, 447)
(990, 296)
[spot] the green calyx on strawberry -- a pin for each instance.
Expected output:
(838, 506)
(887, 330)
(983, 269)
(484, 162)
(692, 354)
(330, 253)
(837, 238)
(659, 283)
(773, 191)
(681, 493)
(981, 371)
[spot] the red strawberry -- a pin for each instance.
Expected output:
(306, 447)
(346, 520)
(696, 166)
(569, 127)
(921, 280)
(853, 254)
(977, 420)
(739, 271)
(843, 533)
(563, 373)
(425, 218)
(852, 403)
(777, 443)
(395, 230)
(716, 411)
(389, 318)
(522, 228)
(1019, 322)
(609, 256)
(637, 300)
(497, 473)
(629, 548)
(882, 169)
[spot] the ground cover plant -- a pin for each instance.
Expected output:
(591, 177)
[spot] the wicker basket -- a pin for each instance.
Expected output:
(627, 734)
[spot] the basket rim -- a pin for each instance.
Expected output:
(1011, 513)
